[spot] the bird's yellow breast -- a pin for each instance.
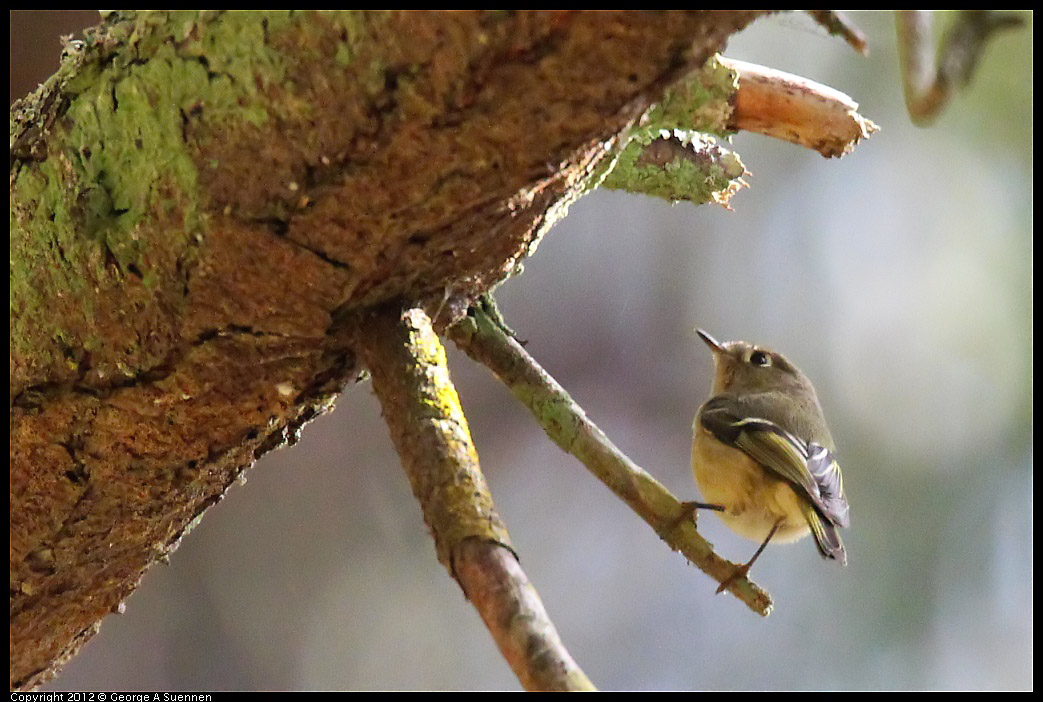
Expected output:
(753, 499)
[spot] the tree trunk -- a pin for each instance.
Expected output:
(201, 200)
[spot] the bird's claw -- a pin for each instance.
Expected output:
(740, 572)
(688, 512)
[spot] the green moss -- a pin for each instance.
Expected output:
(125, 140)
(698, 170)
(343, 55)
(699, 103)
(118, 155)
(698, 106)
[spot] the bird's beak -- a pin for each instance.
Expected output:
(710, 341)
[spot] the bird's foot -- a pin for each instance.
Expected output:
(740, 572)
(688, 512)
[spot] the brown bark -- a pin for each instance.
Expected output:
(162, 343)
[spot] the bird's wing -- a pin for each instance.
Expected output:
(810, 468)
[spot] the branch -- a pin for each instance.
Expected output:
(928, 87)
(429, 430)
(839, 25)
(672, 155)
(796, 109)
(482, 336)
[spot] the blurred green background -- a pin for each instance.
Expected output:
(899, 278)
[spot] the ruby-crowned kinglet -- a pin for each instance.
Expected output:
(762, 451)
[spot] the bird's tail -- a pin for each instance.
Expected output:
(826, 537)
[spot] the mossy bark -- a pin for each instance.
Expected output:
(201, 201)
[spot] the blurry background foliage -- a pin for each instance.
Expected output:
(899, 278)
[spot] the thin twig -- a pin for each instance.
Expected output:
(796, 109)
(484, 339)
(410, 378)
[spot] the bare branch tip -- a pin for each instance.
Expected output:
(838, 24)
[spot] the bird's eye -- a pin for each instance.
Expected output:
(759, 358)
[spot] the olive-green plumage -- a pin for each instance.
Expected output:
(762, 451)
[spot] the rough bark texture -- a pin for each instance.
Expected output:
(200, 201)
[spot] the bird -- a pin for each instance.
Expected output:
(762, 454)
